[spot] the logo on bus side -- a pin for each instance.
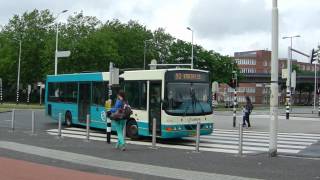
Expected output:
(103, 116)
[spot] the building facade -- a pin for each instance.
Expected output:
(256, 63)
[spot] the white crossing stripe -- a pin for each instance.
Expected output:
(221, 140)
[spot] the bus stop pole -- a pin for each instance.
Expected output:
(59, 125)
(198, 136)
(125, 131)
(88, 127)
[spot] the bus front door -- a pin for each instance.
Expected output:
(155, 105)
(84, 101)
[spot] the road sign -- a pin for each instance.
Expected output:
(293, 79)
(215, 87)
(153, 65)
(29, 88)
(61, 54)
(114, 76)
(284, 73)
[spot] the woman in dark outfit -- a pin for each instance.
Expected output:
(248, 111)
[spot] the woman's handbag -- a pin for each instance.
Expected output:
(118, 115)
(122, 113)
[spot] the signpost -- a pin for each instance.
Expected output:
(41, 86)
(60, 54)
(113, 80)
(29, 92)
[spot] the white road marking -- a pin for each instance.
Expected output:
(225, 141)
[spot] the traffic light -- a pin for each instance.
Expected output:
(313, 56)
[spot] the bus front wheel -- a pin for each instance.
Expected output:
(68, 119)
(132, 129)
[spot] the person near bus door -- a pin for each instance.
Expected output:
(119, 124)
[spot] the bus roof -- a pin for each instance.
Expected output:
(97, 76)
(156, 74)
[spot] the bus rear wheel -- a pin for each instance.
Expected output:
(68, 119)
(132, 129)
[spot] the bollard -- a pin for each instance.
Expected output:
(125, 131)
(88, 127)
(319, 107)
(198, 136)
(108, 129)
(154, 133)
(32, 123)
(59, 125)
(240, 138)
(12, 119)
(235, 108)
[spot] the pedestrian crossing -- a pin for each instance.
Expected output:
(221, 140)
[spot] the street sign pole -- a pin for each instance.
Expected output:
(274, 81)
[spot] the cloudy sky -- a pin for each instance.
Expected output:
(225, 26)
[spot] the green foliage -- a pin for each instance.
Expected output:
(93, 45)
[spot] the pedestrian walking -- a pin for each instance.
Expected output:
(249, 108)
(244, 116)
(119, 115)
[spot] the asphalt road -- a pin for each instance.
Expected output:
(254, 166)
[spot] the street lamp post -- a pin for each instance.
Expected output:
(191, 47)
(289, 67)
(274, 81)
(18, 78)
(56, 52)
(144, 52)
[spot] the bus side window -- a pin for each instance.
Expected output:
(136, 92)
(99, 93)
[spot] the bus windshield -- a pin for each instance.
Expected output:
(188, 99)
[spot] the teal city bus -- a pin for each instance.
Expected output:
(176, 98)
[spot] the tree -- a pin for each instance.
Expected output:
(93, 45)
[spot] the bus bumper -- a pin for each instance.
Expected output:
(171, 132)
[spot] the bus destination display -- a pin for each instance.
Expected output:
(187, 76)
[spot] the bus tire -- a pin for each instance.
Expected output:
(132, 129)
(68, 119)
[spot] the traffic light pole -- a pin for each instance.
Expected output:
(235, 99)
(288, 94)
(315, 87)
